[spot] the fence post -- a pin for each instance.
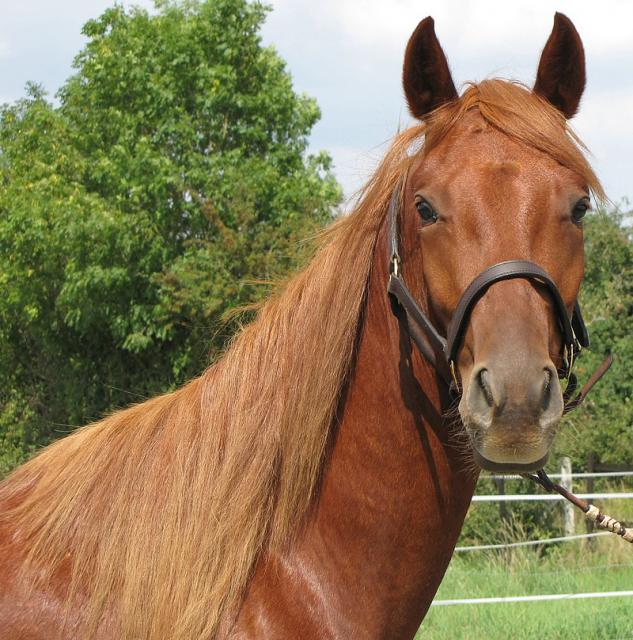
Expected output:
(568, 508)
(591, 467)
(501, 490)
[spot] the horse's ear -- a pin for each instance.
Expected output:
(426, 77)
(561, 72)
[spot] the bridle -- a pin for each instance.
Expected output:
(441, 352)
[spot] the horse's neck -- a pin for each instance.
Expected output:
(394, 495)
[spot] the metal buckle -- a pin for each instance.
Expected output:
(395, 265)
(570, 358)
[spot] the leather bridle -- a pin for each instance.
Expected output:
(441, 352)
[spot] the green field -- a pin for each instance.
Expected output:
(604, 564)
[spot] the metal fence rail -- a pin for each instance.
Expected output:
(597, 474)
(531, 543)
(567, 478)
(545, 496)
(535, 598)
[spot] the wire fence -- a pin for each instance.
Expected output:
(538, 497)
(534, 598)
(567, 477)
(529, 543)
(603, 474)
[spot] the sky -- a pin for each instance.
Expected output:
(348, 55)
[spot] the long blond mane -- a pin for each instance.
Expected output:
(164, 508)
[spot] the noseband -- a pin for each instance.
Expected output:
(442, 352)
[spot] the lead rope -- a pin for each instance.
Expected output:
(591, 512)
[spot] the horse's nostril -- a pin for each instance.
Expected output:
(547, 389)
(484, 382)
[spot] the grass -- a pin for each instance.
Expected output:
(604, 564)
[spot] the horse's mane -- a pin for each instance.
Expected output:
(169, 504)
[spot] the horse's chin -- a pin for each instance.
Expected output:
(509, 466)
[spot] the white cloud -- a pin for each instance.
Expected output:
(348, 54)
(609, 112)
(39, 39)
(605, 124)
(353, 166)
(479, 24)
(5, 50)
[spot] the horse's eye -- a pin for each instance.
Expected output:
(426, 211)
(580, 209)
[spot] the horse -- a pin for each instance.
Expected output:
(312, 482)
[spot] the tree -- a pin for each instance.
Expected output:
(172, 175)
(604, 424)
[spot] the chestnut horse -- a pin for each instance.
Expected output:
(312, 483)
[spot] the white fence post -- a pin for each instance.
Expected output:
(568, 508)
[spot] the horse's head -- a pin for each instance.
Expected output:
(501, 178)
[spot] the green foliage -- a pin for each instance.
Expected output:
(505, 522)
(604, 423)
(171, 176)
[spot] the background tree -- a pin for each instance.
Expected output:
(172, 173)
(604, 424)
